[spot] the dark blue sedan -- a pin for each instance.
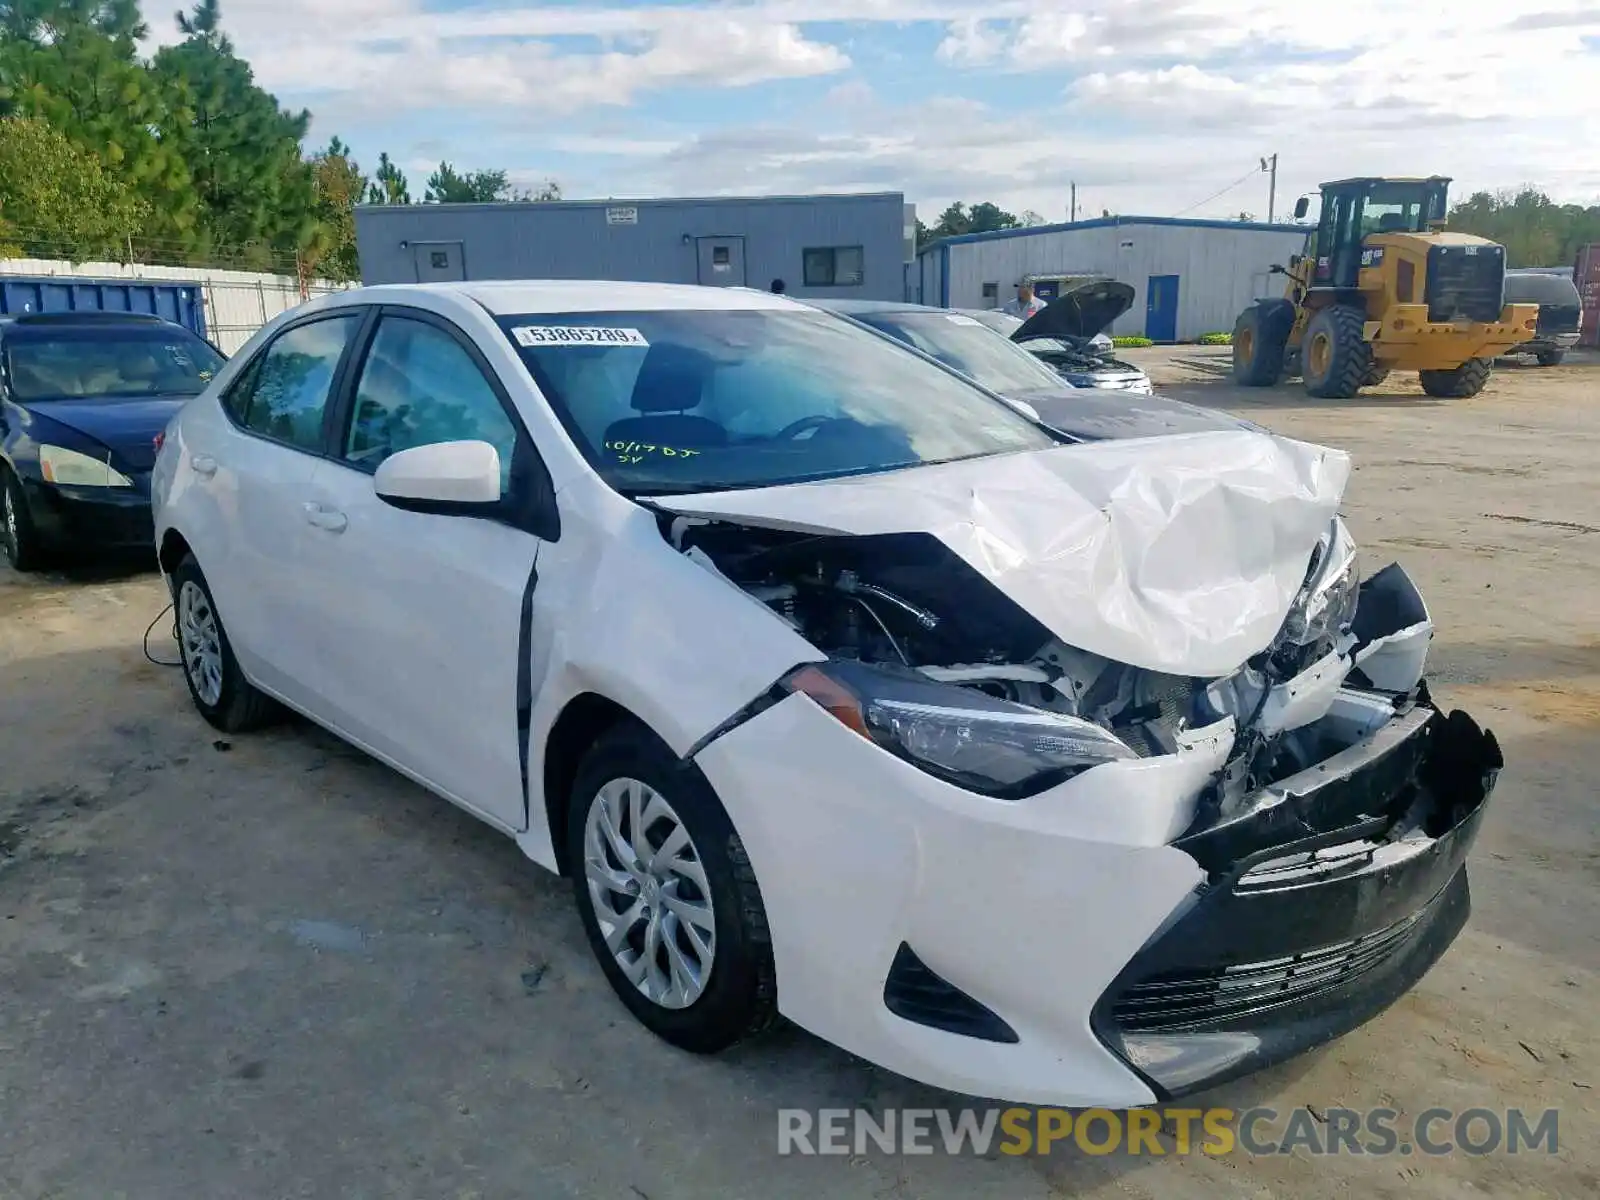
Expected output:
(84, 399)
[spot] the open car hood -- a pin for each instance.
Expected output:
(1084, 311)
(1178, 554)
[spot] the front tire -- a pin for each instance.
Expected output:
(667, 895)
(17, 535)
(1335, 356)
(1459, 383)
(1374, 376)
(1259, 338)
(224, 697)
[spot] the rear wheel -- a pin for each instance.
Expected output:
(1375, 375)
(17, 535)
(225, 698)
(668, 896)
(1458, 383)
(1258, 344)
(1551, 358)
(1335, 357)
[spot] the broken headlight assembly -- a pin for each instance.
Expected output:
(979, 742)
(1326, 604)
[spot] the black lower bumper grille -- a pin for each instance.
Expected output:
(1195, 999)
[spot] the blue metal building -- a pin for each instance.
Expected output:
(1189, 276)
(840, 246)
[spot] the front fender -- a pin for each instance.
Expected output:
(618, 612)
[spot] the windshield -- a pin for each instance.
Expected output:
(1555, 291)
(997, 320)
(1398, 208)
(702, 400)
(101, 363)
(965, 344)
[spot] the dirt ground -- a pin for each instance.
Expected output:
(267, 967)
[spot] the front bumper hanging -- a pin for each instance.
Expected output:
(1328, 896)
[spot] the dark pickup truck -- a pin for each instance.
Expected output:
(1560, 311)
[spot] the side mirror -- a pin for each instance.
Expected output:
(1301, 207)
(1277, 269)
(448, 478)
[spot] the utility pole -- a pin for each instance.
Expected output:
(1073, 212)
(1270, 165)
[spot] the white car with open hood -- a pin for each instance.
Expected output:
(841, 689)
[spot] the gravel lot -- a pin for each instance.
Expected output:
(271, 968)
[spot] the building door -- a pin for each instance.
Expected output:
(1161, 308)
(721, 261)
(439, 262)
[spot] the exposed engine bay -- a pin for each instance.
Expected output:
(1076, 354)
(1346, 661)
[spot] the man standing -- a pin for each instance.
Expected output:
(1026, 303)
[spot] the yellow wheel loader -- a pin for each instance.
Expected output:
(1382, 286)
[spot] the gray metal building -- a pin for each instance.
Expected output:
(1189, 276)
(843, 246)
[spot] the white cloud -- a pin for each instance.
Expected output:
(972, 41)
(1147, 104)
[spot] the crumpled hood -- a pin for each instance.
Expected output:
(1083, 312)
(1180, 554)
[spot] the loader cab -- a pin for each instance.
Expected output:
(1354, 209)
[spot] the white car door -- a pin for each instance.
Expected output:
(252, 472)
(423, 619)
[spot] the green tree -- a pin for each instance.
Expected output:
(957, 219)
(75, 64)
(449, 186)
(1534, 229)
(388, 184)
(257, 194)
(339, 186)
(57, 200)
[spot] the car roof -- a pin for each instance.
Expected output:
(511, 297)
(29, 323)
(852, 308)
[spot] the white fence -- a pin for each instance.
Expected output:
(237, 303)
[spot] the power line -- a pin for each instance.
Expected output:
(1250, 174)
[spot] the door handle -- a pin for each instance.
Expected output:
(203, 464)
(326, 518)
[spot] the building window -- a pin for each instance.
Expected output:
(833, 266)
(991, 295)
(440, 259)
(719, 256)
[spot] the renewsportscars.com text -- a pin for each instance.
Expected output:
(1168, 1131)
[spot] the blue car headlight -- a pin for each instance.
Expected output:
(72, 468)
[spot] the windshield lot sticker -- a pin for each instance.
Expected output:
(629, 453)
(577, 335)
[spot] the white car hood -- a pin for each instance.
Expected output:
(1178, 554)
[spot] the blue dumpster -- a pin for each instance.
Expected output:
(173, 300)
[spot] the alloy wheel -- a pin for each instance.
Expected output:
(649, 892)
(13, 535)
(202, 642)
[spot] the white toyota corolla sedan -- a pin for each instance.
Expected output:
(1064, 772)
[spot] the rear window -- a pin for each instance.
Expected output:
(1555, 290)
(108, 362)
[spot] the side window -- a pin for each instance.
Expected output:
(283, 394)
(832, 266)
(420, 386)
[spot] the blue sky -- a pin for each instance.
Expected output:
(1151, 106)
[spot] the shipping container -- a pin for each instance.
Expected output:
(179, 302)
(1586, 274)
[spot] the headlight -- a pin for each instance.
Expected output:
(1327, 602)
(78, 470)
(980, 743)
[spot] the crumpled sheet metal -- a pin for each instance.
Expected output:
(1177, 554)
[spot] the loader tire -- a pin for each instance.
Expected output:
(1259, 337)
(1335, 357)
(1374, 376)
(1458, 383)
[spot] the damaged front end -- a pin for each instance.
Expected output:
(1334, 843)
(1333, 830)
